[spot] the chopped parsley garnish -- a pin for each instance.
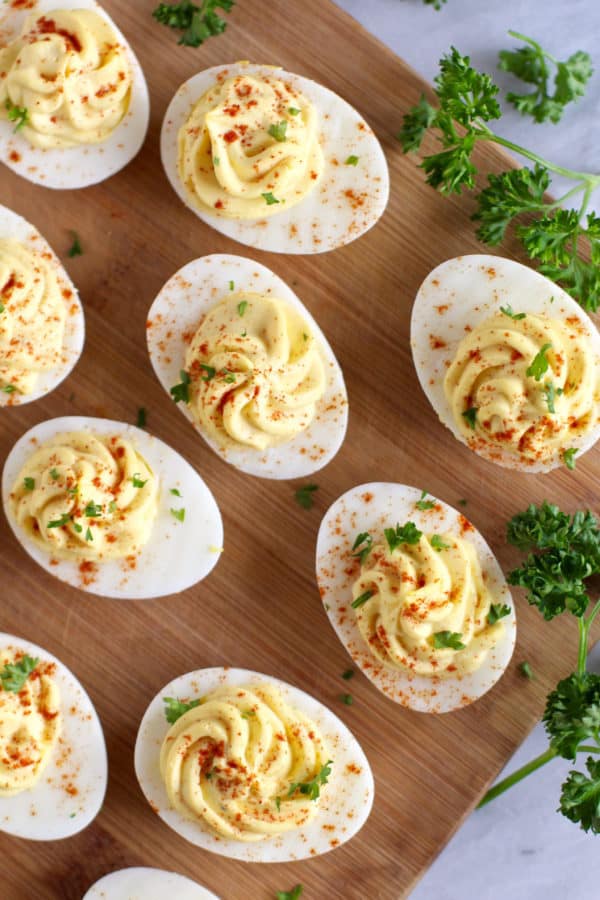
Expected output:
(448, 639)
(198, 23)
(29, 483)
(462, 502)
(88, 535)
(471, 416)
(293, 111)
(438, 544)
(278, 804)
(269, 198)
(14, 675)
(360, 601)
(407, 534)
(75, 249)
(73, 491)
(348, 674)
(539, 363)
(242, 307)
(1, 307)
(312, 789)
(508, 311)
(178, 514)
(92, 510)
(137, 481)
(304, 496)
(216, 161)
(551, 393)
(58, 523)
(174, 708)
(348, 699)
(294, 894)
(352, 161)
(497, 611)
(278, 131)
(424, 504)
(181, 392)
(228, 377)
(364, 539)
(9, 388)
(248, 713)
(232, 285)
(78, 528)
(54, 474)
(175, 492)
(112, 506)
(569, 457)
(141, 417)
(525, 669)
(17, 114)
(210, 372)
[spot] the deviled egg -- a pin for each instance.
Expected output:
(42, 328)
(509, 361)
(144, 883)
(74, 105)
(53, 766)
(249, 367)
(251, 768)
(415, 595)
(110, 509)
(273, 160)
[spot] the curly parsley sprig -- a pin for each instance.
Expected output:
(563, 552)
(198, 23)
(552, 236)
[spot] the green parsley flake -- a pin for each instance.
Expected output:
(539, 363)
(364, 538)
(54, 474)
(407, 534)
(569, 457)
(471, 416)
(88, 535)
(29, 483)
(242, 307)
(9, 388)
(438, 544)
(348, 699)
(293, 111)
(508, 311)
(75, 249)
(17, 114)
(270, 199)
(526, 670)
(360, 601)
(449, 639)
(278, 131)
(178, 514)
(141, 417)
(210, 372)
(348, 674)
(497, 611)
(181, 392)
(304, 495)
(352, 161)
(312, 789)
(14, 675)
(175, 492)
(92, 510)
(137, 481)
(174, 708)
(58, 523)
(424, 504)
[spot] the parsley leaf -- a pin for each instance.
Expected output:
(539, 363)
(497, 611)
(198, 23)
(364, 538)
(269, 198)
(54, 474)
(29, 483)
(407, 534)
(551, 393)
(14, 675)
(569, 457)
(424, 504)
(348, 674)
(278, 131)
(137, 481)
(75, 249)
(348, 699)
(470, 415)
(533, 65)
(352, 161)
(508, 311)
(58, 523)
(178, 514)
(181, 392)
(210, 372)
(580, 797)
(360, 601)
(572, 713)
(438, 544)
(92, 510)
(17, 114)
(526, 670)
(312, 789)
(242, 307)
(448, 639)
(290, 895)
(174, 708)
(293, 111)
(304, 495)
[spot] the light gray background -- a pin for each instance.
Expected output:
(517, 848)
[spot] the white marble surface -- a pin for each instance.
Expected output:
(517, 848)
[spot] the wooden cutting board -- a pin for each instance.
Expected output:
(260, 607)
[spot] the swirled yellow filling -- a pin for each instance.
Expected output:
(526, 384)
(424, 606)
(250, 148)
(30, 725)
(244, 763)
(33, 311)
(66, 80)
(84, 496)
(256, 372)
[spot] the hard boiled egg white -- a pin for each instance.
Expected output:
(371, 508)
(143, 883)
(178, 554)
(175, 316)
(458, 296)
(344, 806)
(74, 167)
(70, 791)
(347, 201)
(14, 227)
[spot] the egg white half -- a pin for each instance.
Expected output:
(144, 883)
(461, 294)
(178, 554)
(327, 218)
(177, 312)
(50, 812)
(345, 804)
(371, 508)
(75, 167)
(15, 227)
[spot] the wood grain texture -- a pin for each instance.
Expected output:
(260, 607)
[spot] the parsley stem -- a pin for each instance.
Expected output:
(587, 177)
(582, 651)
(517, 776)
(588, 748)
